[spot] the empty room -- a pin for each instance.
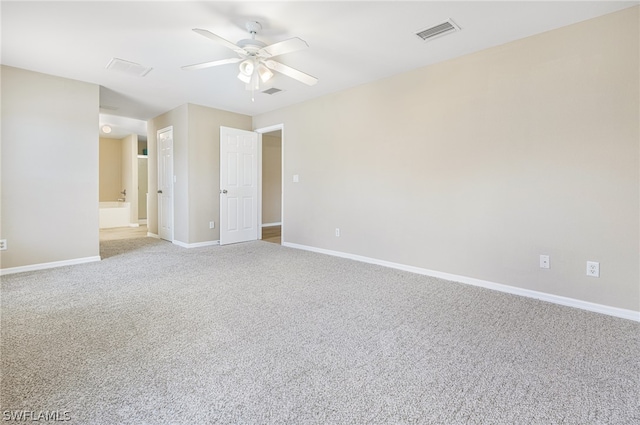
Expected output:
(367, 212)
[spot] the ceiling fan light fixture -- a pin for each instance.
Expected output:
(244, 78)
(247, 67)
(265, 73)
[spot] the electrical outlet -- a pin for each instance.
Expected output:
(3, 244)
(593, 269)
(212, 225)
(337, 232)
(544, 262)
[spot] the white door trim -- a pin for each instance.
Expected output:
(158, 155)
(260, 132)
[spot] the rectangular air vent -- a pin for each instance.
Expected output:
(272, 90)
(129, 68)
(438, 30)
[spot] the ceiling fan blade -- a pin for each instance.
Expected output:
(210, 64)
(282, 47)
(291, 72)
(218, 39)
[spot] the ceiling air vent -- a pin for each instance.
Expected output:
(272, 90)
(438, 31)
(129, 68)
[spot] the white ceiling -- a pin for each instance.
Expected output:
(351, 43)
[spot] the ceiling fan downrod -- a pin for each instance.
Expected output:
(253, 27)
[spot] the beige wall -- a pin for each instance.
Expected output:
(110, 179)
(196, 149)
(478, 165)
(130, 174)
(271, 178)
(49, 169)
(143, 188)
(204, 167)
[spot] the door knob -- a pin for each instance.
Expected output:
(223, 191)
(159, 191)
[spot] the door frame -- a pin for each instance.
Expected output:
(260, 132)
(173, 179)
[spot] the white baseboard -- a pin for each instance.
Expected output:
(134, 225)
(152, 235)
(196, 245)
(556, 299)
(271, 224)
(51, 265)
(143, 221)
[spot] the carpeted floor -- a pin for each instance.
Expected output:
(258, 333)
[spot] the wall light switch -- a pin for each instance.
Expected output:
(296, 178)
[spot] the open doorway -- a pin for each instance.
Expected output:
(271, 223)
(121, 143)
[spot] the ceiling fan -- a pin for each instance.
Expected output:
(256, 58)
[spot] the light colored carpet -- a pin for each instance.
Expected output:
(258, 333)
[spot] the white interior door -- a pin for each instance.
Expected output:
(238, 185)
(165, 184)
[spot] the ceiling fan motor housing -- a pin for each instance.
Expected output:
(251, 46)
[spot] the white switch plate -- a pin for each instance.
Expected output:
(337, 232)
(212, 225)
(593, 269)
(296, 178)
(544, 262)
